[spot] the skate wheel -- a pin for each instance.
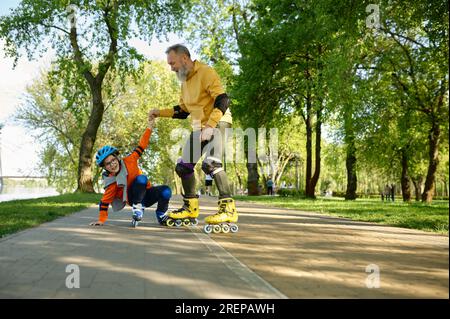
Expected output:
(170, 222)
(194, 222)
(178, 222)
(186, 222)
(225, 228)
(207, 229)
(234, 228)
(217, 229)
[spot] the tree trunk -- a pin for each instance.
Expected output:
(88, 140)
(316, 175)
(253, 178)
(85, 183)
(263, 175)
(238, 176)
(405, 180)
(284, 159)
(308, 123)
(445, 187)
(417, 182)
(350, 163)
(433, 139)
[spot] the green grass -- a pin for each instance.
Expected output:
(416, 215)
(21, 214)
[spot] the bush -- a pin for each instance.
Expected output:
(338, 194)
(289, 192)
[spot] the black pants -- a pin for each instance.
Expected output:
(139, 193)
(193, 150)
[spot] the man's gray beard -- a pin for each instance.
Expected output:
(182, 74)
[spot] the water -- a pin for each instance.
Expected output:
(22, 192)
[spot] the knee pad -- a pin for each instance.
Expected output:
(166, 192)
(212, 165)
(141, 180)
(184, 170)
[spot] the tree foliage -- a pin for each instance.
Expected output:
(90, 39)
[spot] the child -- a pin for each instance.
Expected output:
(208, 184)
(124, 183)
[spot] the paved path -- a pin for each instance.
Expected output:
(277, 253)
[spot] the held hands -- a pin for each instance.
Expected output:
(152, 115)
(207, 133)
(151, 122)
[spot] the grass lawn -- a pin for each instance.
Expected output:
(416, 215)
(21, 214)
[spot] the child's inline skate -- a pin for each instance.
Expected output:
(162, 217)
(138, 213)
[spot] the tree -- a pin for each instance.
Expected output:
(410, 50)
(216, 26)
(57, 126)
(289, 148)
(286, 54)
(94, 44)
(383, 88)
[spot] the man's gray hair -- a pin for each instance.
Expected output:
(179, 49)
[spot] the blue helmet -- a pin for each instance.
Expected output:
(104, 152)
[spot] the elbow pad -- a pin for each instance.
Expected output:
(222, 102)
(179, 113)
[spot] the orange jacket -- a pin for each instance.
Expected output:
(114, 191)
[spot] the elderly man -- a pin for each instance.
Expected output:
(204, 100)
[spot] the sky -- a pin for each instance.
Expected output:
(18, 150)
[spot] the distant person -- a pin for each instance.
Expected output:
(270, 187)
(392, 191)
(387, 192)
(208, 184)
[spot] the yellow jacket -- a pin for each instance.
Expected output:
(227, 117)
(198, 94)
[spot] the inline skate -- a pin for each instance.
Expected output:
(186, 215)
(138, 213)
(224, 221)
